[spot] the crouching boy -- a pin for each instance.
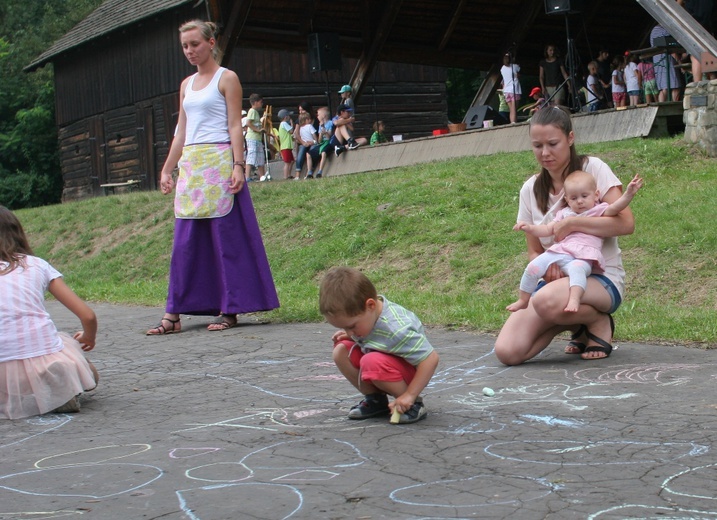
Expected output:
(381, 348)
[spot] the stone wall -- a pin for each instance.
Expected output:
(700, 116)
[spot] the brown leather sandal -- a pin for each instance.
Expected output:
(160, 329)
(223, 322)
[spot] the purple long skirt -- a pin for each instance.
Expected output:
(219, 265)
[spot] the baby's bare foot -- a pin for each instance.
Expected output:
(516, 306)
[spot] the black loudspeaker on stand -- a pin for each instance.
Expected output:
(324, 52)
(562, 6)
(476, 115)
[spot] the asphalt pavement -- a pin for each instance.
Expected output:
(250, 423)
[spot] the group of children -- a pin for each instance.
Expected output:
(631, 82)
(308, 141)
(624, 81)
(304, 142)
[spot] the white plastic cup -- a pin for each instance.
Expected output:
(488, 123)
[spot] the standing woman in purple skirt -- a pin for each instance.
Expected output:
(219, 265)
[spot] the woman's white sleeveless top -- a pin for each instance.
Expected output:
(206, 110)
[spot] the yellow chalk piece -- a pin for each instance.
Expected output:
(395, 417)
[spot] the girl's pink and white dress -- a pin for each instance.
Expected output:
(40, 368)
(582, 245)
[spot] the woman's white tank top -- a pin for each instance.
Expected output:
(206, 110)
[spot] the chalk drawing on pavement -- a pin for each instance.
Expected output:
(653, 512)
(220, 501)
(467, 492)
(575, 453)
(694, 483)
(77, 481)
(93, 455)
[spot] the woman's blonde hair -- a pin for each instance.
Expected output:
(208, 30)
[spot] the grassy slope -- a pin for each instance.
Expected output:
(435, 237)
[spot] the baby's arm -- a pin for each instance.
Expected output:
(86, 337)
(537, 230)
(625, 199)
(424, 373)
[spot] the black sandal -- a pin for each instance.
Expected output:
(602, 345)
(577, 344)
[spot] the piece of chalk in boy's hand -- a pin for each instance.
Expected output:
(488, 392)
(395, 417)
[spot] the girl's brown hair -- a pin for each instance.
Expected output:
(560, 119)
(14, 246)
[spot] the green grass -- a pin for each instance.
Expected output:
(436, 238)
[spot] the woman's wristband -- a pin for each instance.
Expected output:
(237, 163)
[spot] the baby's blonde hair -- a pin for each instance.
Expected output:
(578, 179)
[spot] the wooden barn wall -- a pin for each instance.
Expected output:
(132, 65)
(410, 99)
(117, 100)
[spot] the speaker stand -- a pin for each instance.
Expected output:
(571, 67)
(328, 94)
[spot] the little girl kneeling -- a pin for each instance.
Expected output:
(41, 370)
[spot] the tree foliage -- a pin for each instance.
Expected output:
(30, 172)
(461, 87)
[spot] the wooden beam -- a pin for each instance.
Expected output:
(457, 11)
(372, 47)
(229, 37)
(685, 29)
(512, 41)
(214, 10)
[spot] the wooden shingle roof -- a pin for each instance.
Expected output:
(110, 16)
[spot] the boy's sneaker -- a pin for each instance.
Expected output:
(414, 414)
(370, 406)
(309, 176)
(339, 149)
(352, 145)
